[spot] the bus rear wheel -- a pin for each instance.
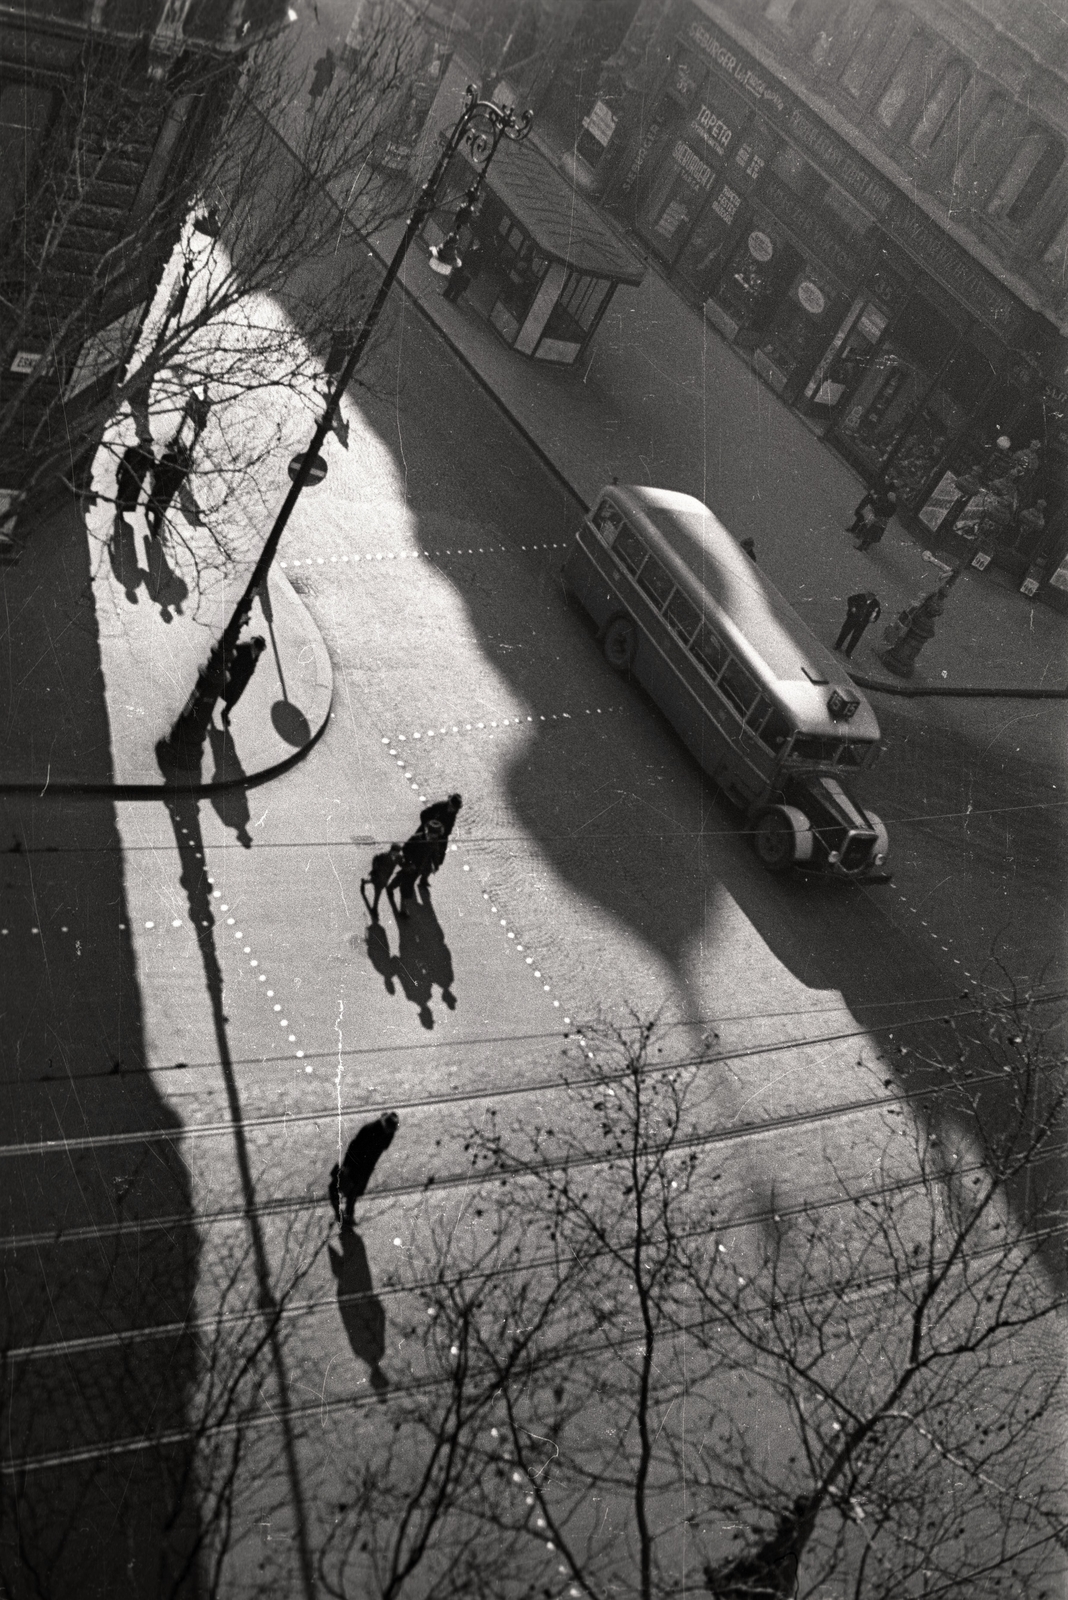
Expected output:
(620, 643)
(774, 841)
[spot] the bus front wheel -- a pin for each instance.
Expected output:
(620, 643)
(775, 839)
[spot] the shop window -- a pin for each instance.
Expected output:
(974, 172)
(906, 80)
(1027, 177)
(583, 297)
(682, 616)
(710, 650)
(1055, 255)
(25, 113)
(628, 549)
(657, 582)
(870, 49)
(937, 108)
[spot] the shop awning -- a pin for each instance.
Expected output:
(563, 225)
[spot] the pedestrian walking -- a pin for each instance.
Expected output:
(136, 462)
(873, 513)
(383, 866)
(349, 1179)
(419, 858)
(861, 609)
(168, 478)
(443, 812)
(239, 669)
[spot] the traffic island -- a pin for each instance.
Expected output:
(96, 681)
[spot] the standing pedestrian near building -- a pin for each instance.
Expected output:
(383, 866)
(135, 464)
(444, 813)
(171, 473)
(861, 609)
(350, 1177)
(239, 669)
(873, 513)
(461, 277)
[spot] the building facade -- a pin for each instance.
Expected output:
(102, 106)
(870, 201)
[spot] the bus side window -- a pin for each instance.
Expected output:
(776, 730)
(682, 616)
(710, 650)
(656, 581)
(628, 548)
(738, 686)
(607, 519)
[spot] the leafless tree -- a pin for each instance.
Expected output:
(620, 1381)
(256, 262)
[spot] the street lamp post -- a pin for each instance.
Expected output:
(483, 124)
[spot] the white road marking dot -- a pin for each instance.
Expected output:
(276, 1008)
(254, 962)
(309, 1067)
(147, 925)
(466, 869)
(176, 922)
(262, 978)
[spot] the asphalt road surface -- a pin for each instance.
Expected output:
(223, 945)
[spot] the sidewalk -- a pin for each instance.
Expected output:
(103, 650)
(662, 400)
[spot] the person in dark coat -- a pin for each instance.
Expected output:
(873, 513)
(169, 476)
(134, 467)
(349, 1179)
(419, 857)
(239, 669)
(383, 866)
(461, 277)
(444, 813)
(861, 609)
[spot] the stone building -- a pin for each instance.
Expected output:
(870, 201)
(102, 106)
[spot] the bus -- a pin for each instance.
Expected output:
(768, 711)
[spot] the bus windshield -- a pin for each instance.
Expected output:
(837, 752)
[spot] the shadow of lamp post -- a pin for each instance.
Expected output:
(482, 125)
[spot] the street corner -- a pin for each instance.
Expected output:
(287, 702)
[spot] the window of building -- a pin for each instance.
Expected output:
(25, 113)
(1055, 255)
(906, 80)
(945, 98)
(870, 47)
(974, 171)
(1027, 176)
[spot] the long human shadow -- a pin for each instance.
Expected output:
(620, 827)
(362, 1314)
(184, 811)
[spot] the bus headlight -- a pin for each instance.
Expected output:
(834, 858)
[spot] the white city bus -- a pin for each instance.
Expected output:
(769, 712)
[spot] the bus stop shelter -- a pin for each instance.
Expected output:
(548, 263)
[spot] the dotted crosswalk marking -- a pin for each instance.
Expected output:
(937, 937)
(531, 719)
(420, 555)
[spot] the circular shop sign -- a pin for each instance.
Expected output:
(811, 298)
(760, 246)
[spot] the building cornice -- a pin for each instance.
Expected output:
(889, 169)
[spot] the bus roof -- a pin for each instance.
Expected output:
(761, 623)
